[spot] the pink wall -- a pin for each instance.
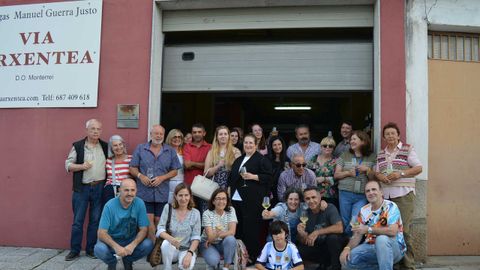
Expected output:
(36, 191)
(392, 67)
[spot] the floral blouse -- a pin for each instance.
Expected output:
(327, 188)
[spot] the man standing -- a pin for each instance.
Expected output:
(195, 153)
(87, 162)
(304, 146)
(154, 163)
(123, 228)
(381, 223)
(320, 239)
(297, 176)
(344, 145)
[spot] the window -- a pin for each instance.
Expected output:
(453, 46)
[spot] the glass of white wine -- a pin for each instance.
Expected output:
(89, 157)
(304, 216)
(354, 222)
(150, 174)
(266, 202)
(242, 171)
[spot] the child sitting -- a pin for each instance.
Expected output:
(279, 254)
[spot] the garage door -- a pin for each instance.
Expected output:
(308, 66)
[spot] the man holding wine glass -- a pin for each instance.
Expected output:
(153, 164)
(87, 162)
(320, 233)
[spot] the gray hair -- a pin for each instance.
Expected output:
(116, 138)
(297, 155)
(90, 121)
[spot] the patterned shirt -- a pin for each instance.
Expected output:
(122, 170)
(312, 150)
(212, 219)
(185, 231)
(289, 179)
(326, 170)
(274, 259)
(386, 215)
(143, 158)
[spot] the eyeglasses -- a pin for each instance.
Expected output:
(220, 199)
(177, 137)
(298, 165)
(328, 146)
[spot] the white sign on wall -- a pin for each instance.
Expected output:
(50, 54)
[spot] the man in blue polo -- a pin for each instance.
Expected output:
(123, 228)
(153, 164)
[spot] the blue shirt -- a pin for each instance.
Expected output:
(121, 223)
(167, 160)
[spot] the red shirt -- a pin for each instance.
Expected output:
(196, 154)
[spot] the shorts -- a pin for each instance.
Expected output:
(155, 208)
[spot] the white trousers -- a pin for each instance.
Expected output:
(171, 254)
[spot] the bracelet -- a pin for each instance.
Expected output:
(347, 247)
(138, 174)
(191, 252)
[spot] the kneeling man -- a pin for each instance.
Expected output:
(381, 223)
(123, 228)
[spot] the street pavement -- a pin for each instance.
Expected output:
(19, 258)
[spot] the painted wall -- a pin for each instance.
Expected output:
(36, 201)
(453, 218)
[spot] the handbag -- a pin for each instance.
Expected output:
(155, 257)
(203, 187)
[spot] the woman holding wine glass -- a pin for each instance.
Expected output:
(183, 235)
(324, 167)
(219, 223)
(247, 190)
(353, 170)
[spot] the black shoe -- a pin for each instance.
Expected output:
(112, 267)
(71, 256)
(90, 254)
(127, 265)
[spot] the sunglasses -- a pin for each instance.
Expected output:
(328, 145)
(298, 165)
(177, 137)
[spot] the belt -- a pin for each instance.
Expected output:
(94, 183)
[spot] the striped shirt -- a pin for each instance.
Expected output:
(289, 179)
(121, 170)
(312, 150)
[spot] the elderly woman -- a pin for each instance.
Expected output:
(219, 223)
(324, 167)
(249, 182)
(353, 170)
(117, 167)
(175, 140)
(183, 235)
(221, 156)
(397, 166)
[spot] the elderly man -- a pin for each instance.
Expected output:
(87, 162)
(320, 239)
(123, 228)
(381, 224)
(304, 146)
(344, 145)
(298, 176)
(154, 163)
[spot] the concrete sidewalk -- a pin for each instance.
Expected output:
(15, 258)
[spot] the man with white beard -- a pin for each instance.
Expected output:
(153, 164)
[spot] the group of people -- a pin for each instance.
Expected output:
(339, 192)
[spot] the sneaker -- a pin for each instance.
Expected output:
(71, 256)
(90, 254)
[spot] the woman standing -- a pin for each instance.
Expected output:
(219, 223)
(324, 168)
(353, 170)
(257, 131)
(117, 166)
(175, 140)
(221, 156)
(397, 166)
(236, 138)
(249, 182)
(277, 154)
(183, 237)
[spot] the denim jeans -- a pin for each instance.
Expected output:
(226, 247)
(350, 205)
(381, 255)
(88, 195)
(105, 252)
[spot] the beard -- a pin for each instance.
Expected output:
(304, 141)
(157, 142)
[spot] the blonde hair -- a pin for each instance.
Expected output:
(328, 140)
(170, 136)
(229, 152)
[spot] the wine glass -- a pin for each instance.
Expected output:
(243, 170)
(304, 216)
(89, 157)
(266, 202)
(354, 222)
(389, 168)
(150, 174)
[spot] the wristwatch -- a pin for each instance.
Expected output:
(370, 230)
(402, 174)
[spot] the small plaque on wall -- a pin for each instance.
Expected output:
(128, 115)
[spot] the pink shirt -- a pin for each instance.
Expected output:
(195, 154)
(413, 161)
